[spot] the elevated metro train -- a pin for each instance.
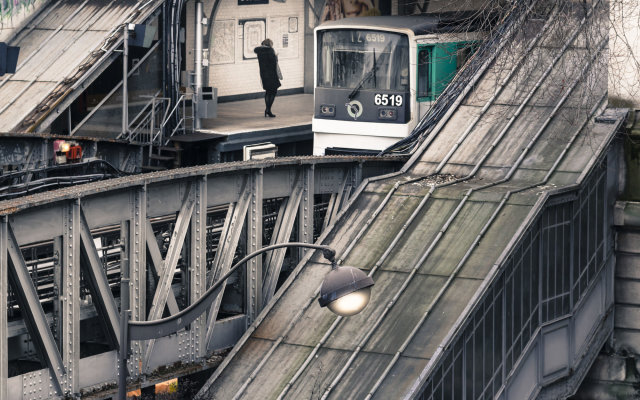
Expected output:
(376, 76)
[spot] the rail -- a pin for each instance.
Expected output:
(177, 115)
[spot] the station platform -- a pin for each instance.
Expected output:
(241, 123)
(248, 115)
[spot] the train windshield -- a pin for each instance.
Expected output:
(364, 59)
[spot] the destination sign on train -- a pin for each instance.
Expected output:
(363, 37)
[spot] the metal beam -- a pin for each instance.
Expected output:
(96, 279)
(170, 262)
(305, 213)
(70, 297)
(155, 260)
(254, 242)
(173, 254)
(275, 258)
(131, 204)
(32, 310)
(329, 212)
(198, 269)
(137, 268)
(4, 291)
(56, 326)
(340, 202)
(226, 252)
(221, 241)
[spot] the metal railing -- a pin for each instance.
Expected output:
(144, 127)
(179, 114)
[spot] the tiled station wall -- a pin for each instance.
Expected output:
(231, 68)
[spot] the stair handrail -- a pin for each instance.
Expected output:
(160, 134)
(134, 132)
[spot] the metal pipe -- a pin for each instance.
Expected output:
(197, 87)
(123, 355)
(53, 258)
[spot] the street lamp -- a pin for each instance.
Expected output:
(345, 291)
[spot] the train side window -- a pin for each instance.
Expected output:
(464, 53)
(425, 91)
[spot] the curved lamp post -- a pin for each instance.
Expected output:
(345, 291)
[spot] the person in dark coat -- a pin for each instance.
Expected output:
(269, 73)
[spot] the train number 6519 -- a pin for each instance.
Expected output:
(387, 100)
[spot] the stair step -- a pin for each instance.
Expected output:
(153, 168)
(161, 158)
(169, 149)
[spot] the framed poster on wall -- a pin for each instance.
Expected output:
(253, 33)
(284, 33)
(222, 49)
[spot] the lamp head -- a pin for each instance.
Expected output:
(345, 291)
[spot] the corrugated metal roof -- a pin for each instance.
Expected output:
(428, 259)
(55, 49)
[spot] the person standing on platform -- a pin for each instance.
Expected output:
(269, 73)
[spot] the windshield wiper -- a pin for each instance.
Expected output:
(366, 78)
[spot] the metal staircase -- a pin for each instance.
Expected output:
(154, 126)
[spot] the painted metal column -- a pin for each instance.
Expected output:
(138, 270)
(70, 297)
(125, 73)
(198, 269)
(56, 327)
(254, 243)
(4, 288)
(125, 304)
(197, 87)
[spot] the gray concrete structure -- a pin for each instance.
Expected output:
(616, 372)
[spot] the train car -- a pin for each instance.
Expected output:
(376, 76)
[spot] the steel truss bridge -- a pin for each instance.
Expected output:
(63, 255)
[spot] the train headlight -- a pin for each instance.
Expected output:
(389, 114)
(328, 110)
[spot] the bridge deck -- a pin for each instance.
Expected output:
(433, 250)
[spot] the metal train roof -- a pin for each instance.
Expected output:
(525, 129)
(58, 46)
(418, 24)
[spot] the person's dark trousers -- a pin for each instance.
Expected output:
(269, 98)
